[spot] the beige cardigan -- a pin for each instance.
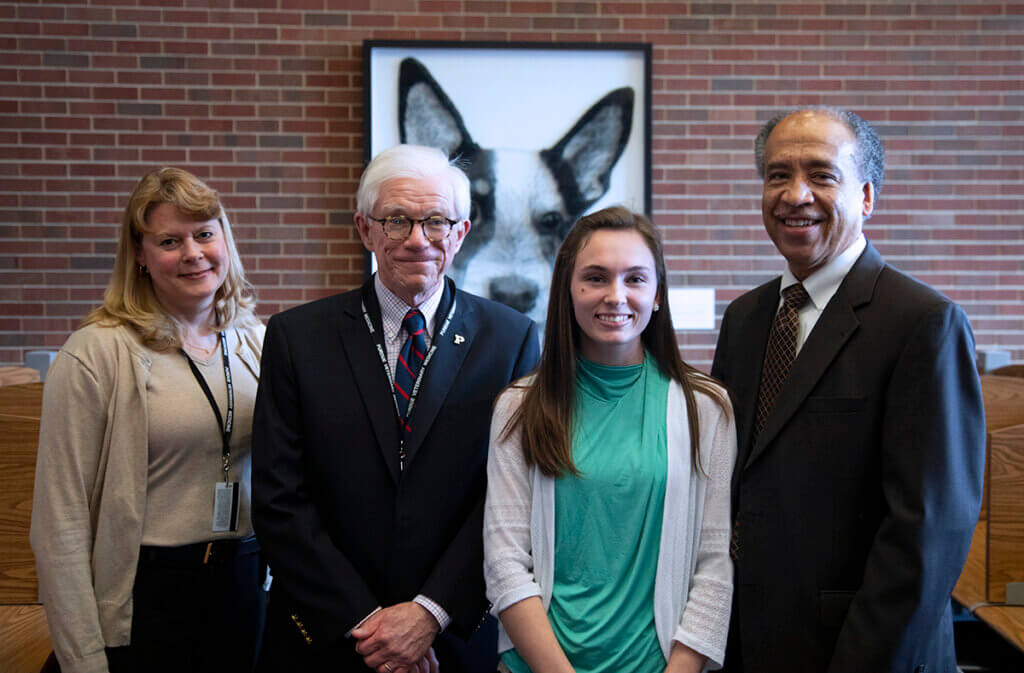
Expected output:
(90, 488)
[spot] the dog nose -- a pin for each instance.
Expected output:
(515, 291)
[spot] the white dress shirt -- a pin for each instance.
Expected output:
(821, 286)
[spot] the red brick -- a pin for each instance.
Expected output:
(199, 47)
(89, 14)
(440, 6)
(116, 93)
(187, 15)
(137, 77)
(621, 8)
(214, 32)
(648, 24)
(419, 21)
(161, 32)
(496, 6)
(20, 27)
(71, 29)
(88, 77)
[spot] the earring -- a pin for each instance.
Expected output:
(143, 270)
(656, 307)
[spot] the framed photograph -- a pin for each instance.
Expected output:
(546, 133)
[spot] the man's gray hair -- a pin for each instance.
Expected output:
(412, 161)
(870, 155)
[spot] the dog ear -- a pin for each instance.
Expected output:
(426, 116)
(583, 159)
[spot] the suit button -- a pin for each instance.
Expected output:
(302, 629)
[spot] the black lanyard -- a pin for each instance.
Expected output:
(378, 341)
(224, 425)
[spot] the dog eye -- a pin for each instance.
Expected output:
(549, 222)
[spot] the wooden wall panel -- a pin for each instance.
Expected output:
(24, 634)
(1004, 406)
(1006, 511)
(19, 430)
(1004, 401)
(24, 638)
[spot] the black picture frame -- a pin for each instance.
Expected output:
(529, 97)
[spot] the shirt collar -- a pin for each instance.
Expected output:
(393, 309)
(824, 282)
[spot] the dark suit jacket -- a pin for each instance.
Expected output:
(856, 506)
(344, 530)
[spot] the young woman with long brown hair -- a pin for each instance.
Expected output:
(606, 526)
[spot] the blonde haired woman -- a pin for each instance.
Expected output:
(140, 522)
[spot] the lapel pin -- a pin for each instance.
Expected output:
(459, 339)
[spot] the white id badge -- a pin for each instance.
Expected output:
(225, 507)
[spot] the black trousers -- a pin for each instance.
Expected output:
(194, 611)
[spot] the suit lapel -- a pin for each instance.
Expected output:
(443, 368)
(371, 382)
(757, 324)
(834, 328)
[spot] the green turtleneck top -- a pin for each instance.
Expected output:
(608, 523)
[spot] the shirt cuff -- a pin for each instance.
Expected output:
(362, 621)
(433, 608)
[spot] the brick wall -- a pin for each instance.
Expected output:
(263, 98)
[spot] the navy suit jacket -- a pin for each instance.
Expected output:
(856, 505)
(343, 528)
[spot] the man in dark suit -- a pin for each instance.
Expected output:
(370, 443)
(858, 480)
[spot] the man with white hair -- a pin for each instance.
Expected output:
(370, 443)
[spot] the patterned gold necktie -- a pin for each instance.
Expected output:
(781, 352)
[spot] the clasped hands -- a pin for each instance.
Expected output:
(397, 639)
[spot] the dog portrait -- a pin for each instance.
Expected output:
(542, 142)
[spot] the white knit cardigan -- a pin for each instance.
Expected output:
(693, 584)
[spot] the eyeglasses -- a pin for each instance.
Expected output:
(399, 227)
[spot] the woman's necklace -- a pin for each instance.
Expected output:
(199, 350)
